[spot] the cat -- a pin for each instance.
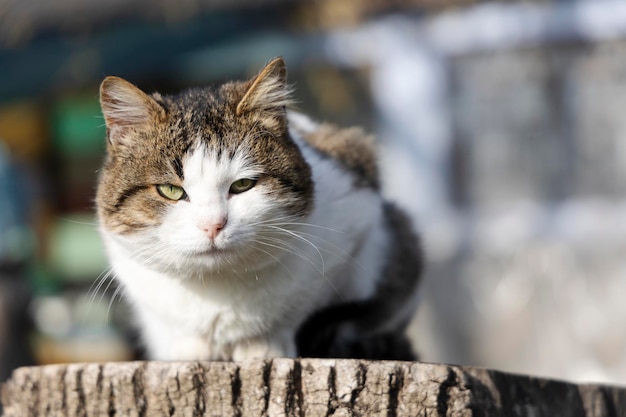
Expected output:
(239, 228)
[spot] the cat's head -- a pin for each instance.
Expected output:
(204, 177)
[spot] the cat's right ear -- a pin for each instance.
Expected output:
(125, 108)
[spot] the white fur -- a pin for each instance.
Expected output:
(232, 298)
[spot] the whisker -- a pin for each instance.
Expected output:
(296, 235)
(277, 260)
(112, 300)
(290, 250)
(98, 282)
(324, 277)
(105, 290)
(93, 224)
(336, 250)
(310, 225)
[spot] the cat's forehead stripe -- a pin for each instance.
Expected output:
(204, 164)
(178, 167)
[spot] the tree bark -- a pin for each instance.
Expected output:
(300, 387)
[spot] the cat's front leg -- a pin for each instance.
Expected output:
(273, 346)
(172, 346)
(190, 348)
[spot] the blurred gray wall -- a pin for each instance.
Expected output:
(504, 133)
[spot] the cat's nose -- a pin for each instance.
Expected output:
(212, 229)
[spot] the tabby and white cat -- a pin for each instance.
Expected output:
(232, 223)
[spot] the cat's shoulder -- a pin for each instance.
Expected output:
(351, 147)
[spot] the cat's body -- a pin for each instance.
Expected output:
(230, 221)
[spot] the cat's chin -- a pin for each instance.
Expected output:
(233, 257)
(212, 256)
(199, 262)
(213, 252)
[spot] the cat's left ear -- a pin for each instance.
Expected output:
(268, 90)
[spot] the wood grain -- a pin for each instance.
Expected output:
(296, 387)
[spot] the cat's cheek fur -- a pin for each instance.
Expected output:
(248, 216)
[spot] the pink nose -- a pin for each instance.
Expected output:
(212, 229)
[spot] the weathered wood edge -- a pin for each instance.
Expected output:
(297, 387)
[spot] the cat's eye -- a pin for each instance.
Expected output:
(171, 192)
(241, 185)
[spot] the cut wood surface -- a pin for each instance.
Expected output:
(296, 387)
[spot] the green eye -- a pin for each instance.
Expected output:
(171, 192)
(241, 185)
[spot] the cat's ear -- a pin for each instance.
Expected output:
(126, 107)
(268, 90)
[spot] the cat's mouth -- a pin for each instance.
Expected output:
(213, 251)
(207, 251)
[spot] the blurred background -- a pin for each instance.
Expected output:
(502, 131)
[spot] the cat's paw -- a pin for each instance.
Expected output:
(259, 348)
(190, 349)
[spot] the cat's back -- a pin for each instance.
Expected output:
(350, 148)
(379, 236)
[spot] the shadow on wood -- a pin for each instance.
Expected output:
(296, 387)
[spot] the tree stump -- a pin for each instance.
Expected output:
(296, 387)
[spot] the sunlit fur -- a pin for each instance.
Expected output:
(278, 257)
